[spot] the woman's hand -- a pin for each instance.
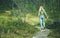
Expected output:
(47, 17)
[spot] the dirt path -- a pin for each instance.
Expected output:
(43, 34)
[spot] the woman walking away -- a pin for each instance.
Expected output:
(42, 15)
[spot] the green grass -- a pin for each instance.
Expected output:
(10, 26)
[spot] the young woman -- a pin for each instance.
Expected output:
(42, 14)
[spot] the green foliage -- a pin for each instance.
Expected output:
(12, 25)
(15, 26)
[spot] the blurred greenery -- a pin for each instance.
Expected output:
(19, 18)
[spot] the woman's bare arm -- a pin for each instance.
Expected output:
(39, 11)
(45, 13)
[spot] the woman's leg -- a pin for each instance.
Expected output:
(44, 24)
(41, 23)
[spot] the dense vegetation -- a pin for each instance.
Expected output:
(19, 18)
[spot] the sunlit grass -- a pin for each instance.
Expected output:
(7, 18)
(31, 19)
(8, 24)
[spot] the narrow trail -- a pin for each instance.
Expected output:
(43, 34)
